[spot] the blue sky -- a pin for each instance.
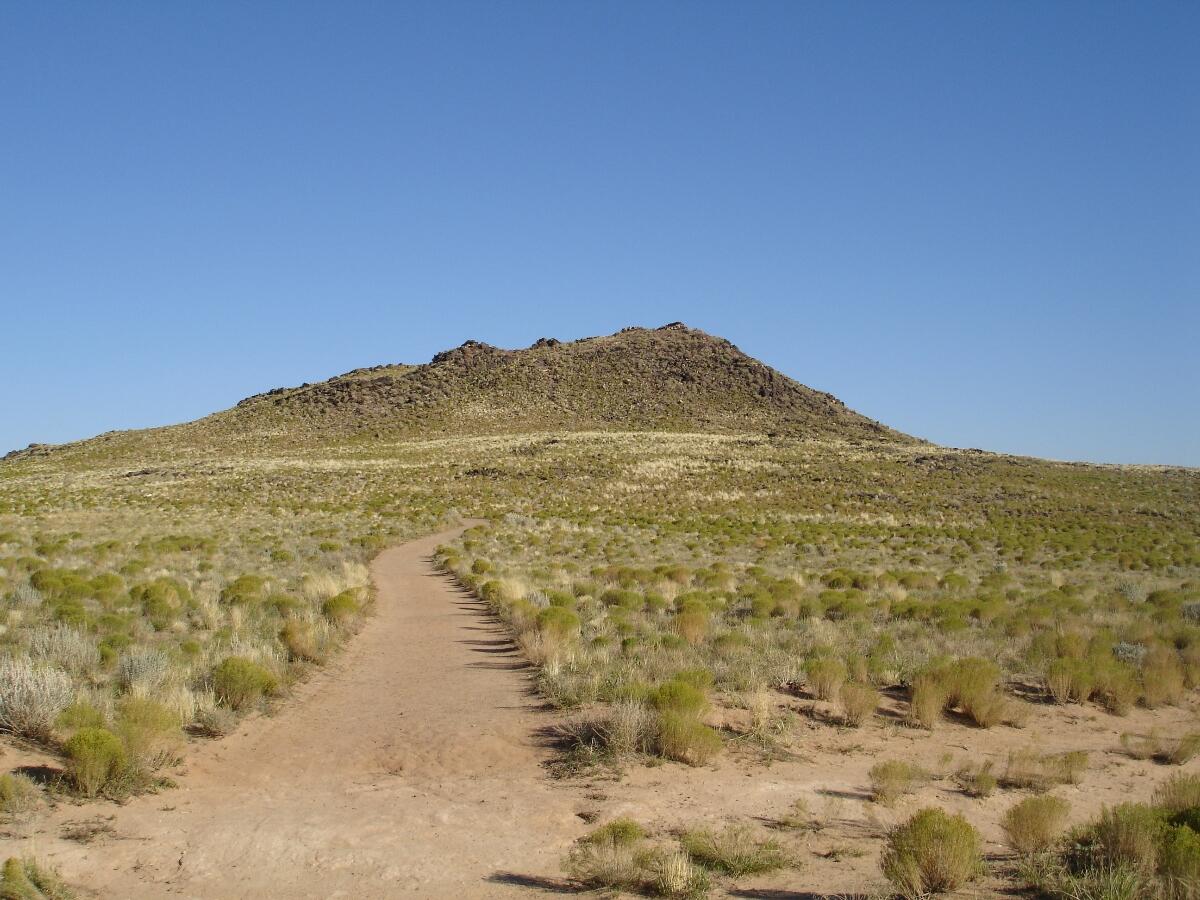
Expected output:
(976, 222)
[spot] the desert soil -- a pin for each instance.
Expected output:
(414, 765)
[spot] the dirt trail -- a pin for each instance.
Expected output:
(409, 766)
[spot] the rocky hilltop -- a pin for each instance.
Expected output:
(673, 377)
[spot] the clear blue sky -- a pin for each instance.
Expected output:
(977, 222)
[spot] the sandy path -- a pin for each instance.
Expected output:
(408, 766)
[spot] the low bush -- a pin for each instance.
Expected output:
(1178, 792)
(19, 797)
(299, 636)
(685, 738)
(1126, 836)
(618, 831)
(95, 756)
(149, 731)
(239, 683)
(558, 622)
(609, 857)
(1162, 677)
(341, 608)
(1035, 823)
(858, 702)
(892, 779)
(31, 697)
(931, 853)
(826, 674)
(680, 696)
(1179, 863)
(27, 879)
(927, 700)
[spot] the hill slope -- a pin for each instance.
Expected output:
(673, 378)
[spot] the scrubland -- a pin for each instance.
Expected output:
(690, 602)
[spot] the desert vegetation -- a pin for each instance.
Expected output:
(686, 597)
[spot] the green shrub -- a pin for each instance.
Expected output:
(1035, 823)
(684, 738)
(894, 778)
(734, 851)
(933, 852)
(95, 756)
(623, 831)
(1127, 836)
(826, 674)
(558, 622)
(80, 714)
(341, 608)
(681, 697)
(149, 731)
(1179, 863)
(239, 683)
(244, 590)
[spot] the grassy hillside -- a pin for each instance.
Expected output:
(674, 528)
(669, 379)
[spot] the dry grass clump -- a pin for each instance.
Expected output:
(27, 879)
(1172, 751)
(618, 856)
(933, 852)
(674, 875)
(1035, 771)
(20, 799)
(978, 780)
(1162, 678)
(665, 721)
(628, 727)
(733, 850)
(892, 779)
(858, 703)
(927, 700)
(612, 856)
(1179, 792)
(1034, 824)
(826, 675)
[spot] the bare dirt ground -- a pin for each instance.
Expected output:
(413, 765)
